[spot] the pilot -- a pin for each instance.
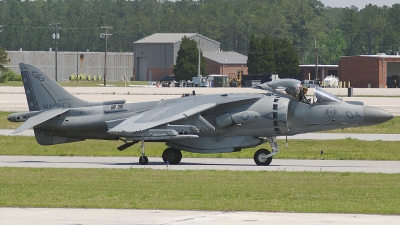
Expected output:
(302, 94)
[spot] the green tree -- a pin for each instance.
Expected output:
(187, 61)
(3, 60)
(273, 56)
(253, 62)
(373, 22)
(350, 26)
(331, 47)
(286, 59)
(261, 59)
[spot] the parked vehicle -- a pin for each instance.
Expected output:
(309, 83)
(168, 78)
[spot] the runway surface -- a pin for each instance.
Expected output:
(287, 165)
(23, 216)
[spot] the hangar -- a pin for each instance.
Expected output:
(155, 56)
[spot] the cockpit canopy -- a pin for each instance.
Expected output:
(323, 96)
(290, 88)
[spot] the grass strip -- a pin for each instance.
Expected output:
(314, 192)
(344, 149)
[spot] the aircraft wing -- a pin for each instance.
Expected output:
(173, 111)
(158, 116)
(40, 118)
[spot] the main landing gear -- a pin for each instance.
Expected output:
(170, 155)
(263, 157)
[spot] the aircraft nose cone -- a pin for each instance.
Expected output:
(373, 115)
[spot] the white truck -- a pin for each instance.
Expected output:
(331, 82)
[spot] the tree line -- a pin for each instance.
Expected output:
(29, 25)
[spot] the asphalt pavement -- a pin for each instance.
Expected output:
(57, 216)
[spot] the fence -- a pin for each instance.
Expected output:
(119, 64)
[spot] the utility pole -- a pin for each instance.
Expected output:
(105, 35)
(316, 58)
(56, 36)
(198, 67)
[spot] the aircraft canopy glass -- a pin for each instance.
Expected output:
(324, 96)
(291, 88)
(287, 87)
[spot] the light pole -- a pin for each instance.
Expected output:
(198, 67)
(56, 36)
(316, 59)
(105, 35)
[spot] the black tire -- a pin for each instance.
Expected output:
(172, 156)
(143, 160)
(259, 157)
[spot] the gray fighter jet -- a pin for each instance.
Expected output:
(197, 123)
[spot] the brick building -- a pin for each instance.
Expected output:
(227, 63)
(376, 71)
(363, 71)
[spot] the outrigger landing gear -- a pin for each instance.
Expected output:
(263, 157)
(143, 160)
(172, 156)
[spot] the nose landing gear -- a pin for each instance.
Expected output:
(263, 157)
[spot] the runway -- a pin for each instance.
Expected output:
(56, 216)
(287, 165)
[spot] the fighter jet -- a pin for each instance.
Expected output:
(197, 123)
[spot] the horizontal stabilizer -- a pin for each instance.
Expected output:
(40, 118)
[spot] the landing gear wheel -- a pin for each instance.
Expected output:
(172, 156)
(261, 159)
(143, 160)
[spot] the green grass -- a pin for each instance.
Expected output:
(345, 149)
(201, 190)
(5, 124)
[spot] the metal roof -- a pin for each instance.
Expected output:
(226, 57)
(169, 38)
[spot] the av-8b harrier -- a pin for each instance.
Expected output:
(199, 123)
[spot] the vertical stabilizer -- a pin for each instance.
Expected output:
(43, 93)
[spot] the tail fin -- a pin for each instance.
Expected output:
(43, 93)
